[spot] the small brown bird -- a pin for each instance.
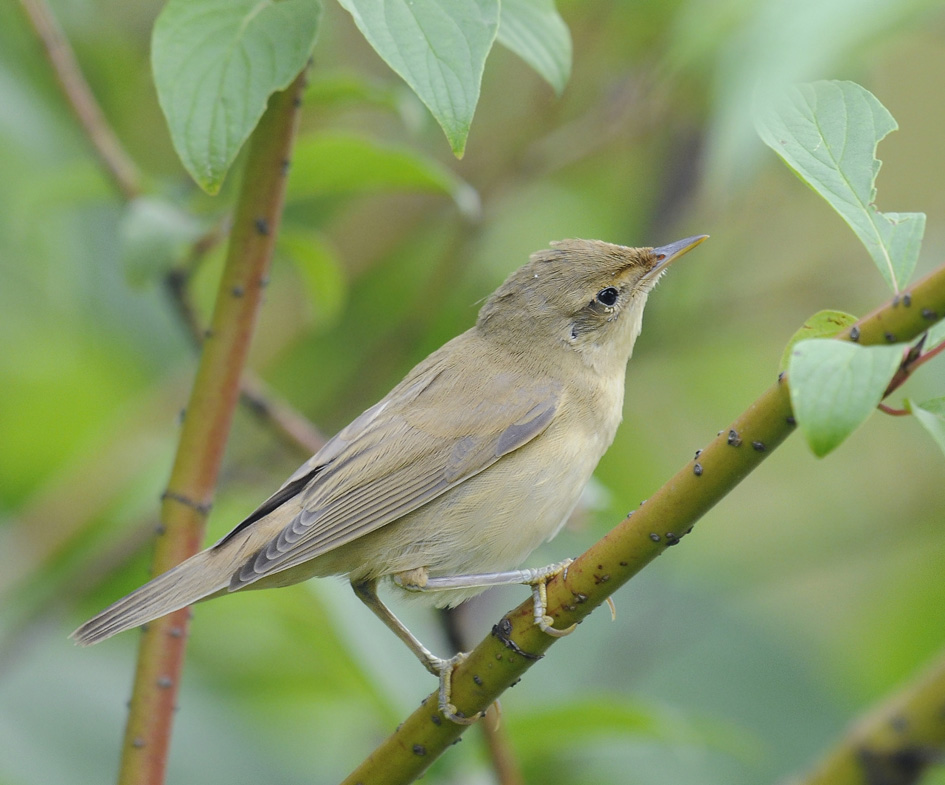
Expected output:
(477, 457)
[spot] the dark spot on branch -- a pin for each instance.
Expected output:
(203, 509)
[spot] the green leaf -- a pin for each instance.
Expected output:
(535, 31)
(216, 62)
(827, 132)
(936, 335)
(341, 87)
(320, 271)
(823, 324)
(835, 385)
(346, 163)
(154, 234)
(931, 416)
(438, 48)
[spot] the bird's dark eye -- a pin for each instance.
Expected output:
(607, 296)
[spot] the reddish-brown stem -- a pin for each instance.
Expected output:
(206, 424)
(893, 412)
(926, 356)
(914, 358)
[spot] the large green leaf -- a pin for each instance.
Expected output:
(216, 62)
(827, 132)
(320, 272)
(835, 385)
(438, 47)
(347, 163)
(535, 31)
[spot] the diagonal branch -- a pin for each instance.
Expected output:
(895, 743)
(206, 424)
(516, 643)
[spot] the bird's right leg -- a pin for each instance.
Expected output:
(442, 669)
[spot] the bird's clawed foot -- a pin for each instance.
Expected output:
(540, 597)
(444, 670)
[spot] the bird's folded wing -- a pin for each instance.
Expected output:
(431, 433)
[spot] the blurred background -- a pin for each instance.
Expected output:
(804, 597)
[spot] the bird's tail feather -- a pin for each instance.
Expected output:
(183, 585)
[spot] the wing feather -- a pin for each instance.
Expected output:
(438, 428)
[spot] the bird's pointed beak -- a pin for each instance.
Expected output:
(665, 255)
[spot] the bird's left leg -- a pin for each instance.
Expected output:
(537, 578)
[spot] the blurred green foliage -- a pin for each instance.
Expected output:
(810, 592)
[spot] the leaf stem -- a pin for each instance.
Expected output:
(893, 412)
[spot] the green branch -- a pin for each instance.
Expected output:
(206, 425)
(516, 643)
(895, 743)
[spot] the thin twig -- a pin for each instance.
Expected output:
(292, 427)
(122, 170)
